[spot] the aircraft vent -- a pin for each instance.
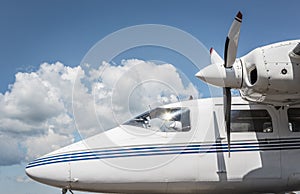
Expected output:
(253, 76)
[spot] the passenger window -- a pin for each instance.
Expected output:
(294, 119)
(251, 121)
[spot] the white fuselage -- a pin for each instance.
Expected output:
(136, 159)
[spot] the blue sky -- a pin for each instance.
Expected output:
(34, 32)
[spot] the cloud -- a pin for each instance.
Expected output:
(10, 151)
(47, 106)
(51, 141)
(31, 100)
(36, 102)
(120, 92)
(23, 179)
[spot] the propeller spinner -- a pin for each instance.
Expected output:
(228, 73)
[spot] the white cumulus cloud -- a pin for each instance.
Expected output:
(42, 110)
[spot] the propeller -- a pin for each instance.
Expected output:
(228, 73)
(230, 51)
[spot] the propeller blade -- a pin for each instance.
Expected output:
(227, 112)
(215, 57)
(232, 40)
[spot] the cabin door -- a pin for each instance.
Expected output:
(254, 138)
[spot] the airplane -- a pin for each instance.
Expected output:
(242, 144)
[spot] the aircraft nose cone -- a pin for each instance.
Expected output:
(54, 174)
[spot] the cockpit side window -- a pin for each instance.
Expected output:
(251, 121)
(294, 119)
(164, 119)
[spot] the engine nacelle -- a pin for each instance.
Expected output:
(271, 74)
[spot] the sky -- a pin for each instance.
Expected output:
(46, 47)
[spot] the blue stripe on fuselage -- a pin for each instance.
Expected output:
(243, 146)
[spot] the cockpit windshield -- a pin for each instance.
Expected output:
(163, 119)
